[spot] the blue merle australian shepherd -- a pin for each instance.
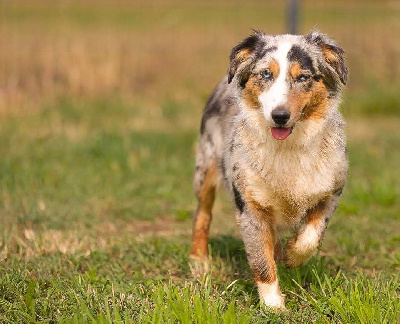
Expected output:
(272, 132)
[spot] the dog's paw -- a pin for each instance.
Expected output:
(275, 303)
(299, 251)
(271, 296)
(293, 259)
(199, 266)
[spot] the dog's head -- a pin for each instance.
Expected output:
(287, 78)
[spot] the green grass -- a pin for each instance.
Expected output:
(96, 227)
(78, 169)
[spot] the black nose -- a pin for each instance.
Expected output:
(280, 115)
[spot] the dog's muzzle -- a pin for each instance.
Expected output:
(281, 116)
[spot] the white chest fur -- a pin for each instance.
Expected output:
(297, 174)
(289, 177)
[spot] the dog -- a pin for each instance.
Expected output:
(271, 130)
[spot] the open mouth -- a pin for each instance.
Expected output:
(281, 133)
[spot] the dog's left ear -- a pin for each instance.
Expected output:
(334, 56)
(242, 54)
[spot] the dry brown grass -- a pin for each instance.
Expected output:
(28, 242)
(178, 50)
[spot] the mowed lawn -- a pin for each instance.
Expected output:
(99, 112)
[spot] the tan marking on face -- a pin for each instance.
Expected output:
(274, 68)
(318, 103)
(256, 85)
(295, 70)
(312, 103)
(251, 92)
(203, 218)
(297, 100)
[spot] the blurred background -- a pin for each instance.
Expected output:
(100, 101)
(150, 52)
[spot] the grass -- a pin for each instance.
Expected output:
(97, 155)
(96, 228)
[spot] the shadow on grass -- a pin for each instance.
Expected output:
(230, 250)
(230, 260)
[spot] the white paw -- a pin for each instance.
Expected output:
(274, 301)
(271, 295)
(307, 242)
(305, 246)
(199, 267)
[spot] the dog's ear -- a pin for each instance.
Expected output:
(333, 55)
(242, 54)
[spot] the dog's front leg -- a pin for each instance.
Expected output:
(300, 248)
(258, 236)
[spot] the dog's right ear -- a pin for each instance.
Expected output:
(243, 52)
(334, 58)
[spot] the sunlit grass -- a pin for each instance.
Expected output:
(78, 183)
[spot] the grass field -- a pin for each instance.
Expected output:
(100, 108)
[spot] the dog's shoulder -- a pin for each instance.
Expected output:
(221, 106)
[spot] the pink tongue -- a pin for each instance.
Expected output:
(280, 133)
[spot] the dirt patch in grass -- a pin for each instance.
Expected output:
(161, 226)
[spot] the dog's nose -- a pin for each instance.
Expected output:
(280, 115)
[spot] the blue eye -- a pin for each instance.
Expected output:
(267, 75)
(303, 78)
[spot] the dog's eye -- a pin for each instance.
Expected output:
(267, 75)
(303, 78)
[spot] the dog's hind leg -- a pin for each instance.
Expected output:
(300, 248)
(205, 181)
